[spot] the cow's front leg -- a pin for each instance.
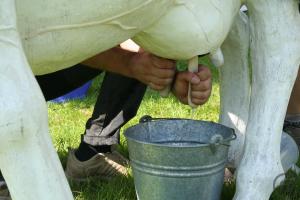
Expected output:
(275, 51)
(28, 160)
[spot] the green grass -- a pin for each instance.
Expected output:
(67, 122)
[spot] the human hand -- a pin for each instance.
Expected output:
(200, 86)
(156, 72)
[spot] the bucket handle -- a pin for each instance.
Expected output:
(148, 118)
(234, 136)
(219, 141)
(214, 141)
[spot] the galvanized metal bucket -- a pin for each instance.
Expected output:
(178, 159)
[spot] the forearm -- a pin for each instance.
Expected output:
(147, 68)
(115, 60)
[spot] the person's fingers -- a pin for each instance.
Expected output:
(200, 95)
(200, 90)
(199, 101)
(188, 77)
(182, 83)
(202, 86)
(203, 73)
(200, 98)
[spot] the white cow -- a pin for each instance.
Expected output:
(44, 36)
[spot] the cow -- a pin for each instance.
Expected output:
(39, 37)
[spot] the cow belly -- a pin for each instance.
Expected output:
(190, 28)
(60, 33)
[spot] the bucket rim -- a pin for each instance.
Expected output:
(224, 142)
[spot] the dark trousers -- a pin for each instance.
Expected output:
(118, 101)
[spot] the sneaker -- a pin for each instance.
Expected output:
(102, 165)
(4, 192)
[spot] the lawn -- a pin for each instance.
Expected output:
(67, 122)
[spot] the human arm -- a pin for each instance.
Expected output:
(151, 70)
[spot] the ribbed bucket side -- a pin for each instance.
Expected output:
(178, 159)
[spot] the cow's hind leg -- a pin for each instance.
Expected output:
(235, 85)
(275, 51)
(28, 160)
